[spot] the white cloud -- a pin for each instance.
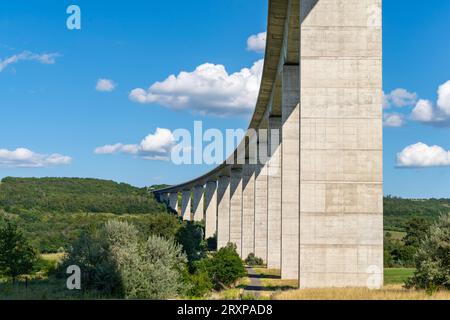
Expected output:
(257, 42)
(443, 102)
(157, 146)
(105, 85)
(45, 58)
(423, 111)
(393, 120)
(399, 98)
(420, 155)
(209, 89)
(24, 158)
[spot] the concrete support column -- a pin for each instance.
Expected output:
(173, 201)
(186, 205)
(341, 212)
(211, 209)
(290, 172)
(236, 209)
(261, 180)
(223, 211)
(198, 205)
(248, 210)
(164, 197)
(274, 195)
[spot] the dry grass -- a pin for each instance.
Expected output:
(54, 257)
(391, 292)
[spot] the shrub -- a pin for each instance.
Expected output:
(199, 283)
(253, 260)
(224, 268)
(433, 259)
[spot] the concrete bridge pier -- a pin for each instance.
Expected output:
(186, 205)
(236, 209)
(290, 172)
(261, 198)
(198, 203)
(223, 211)
(274, 195)
(173, 201)
(211, 209)
(248, 210)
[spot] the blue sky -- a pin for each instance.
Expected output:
(49, 103)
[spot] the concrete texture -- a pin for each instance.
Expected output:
(261, 181)
(210, 209)
(341, 230)
(248, 210)
(223, 211)
(290, 172)
(274, 195)
(186, 205)
(198, 203)
(236, 209)
(173, 201)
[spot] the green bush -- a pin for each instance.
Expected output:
(253, 260)
(224, 268)
(433, 259)
(198, 283)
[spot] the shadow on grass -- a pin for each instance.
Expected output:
(43, 289)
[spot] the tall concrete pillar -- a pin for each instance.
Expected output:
(186, 205)
(164, 197)
(248, 210)
(173, 201)
(274, 195)
(261, 182)
(223, 211)
(211, 209)
(341, 236)
(290, 175)
(236, 209)
(198, 204)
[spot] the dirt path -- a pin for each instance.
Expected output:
(255, 287)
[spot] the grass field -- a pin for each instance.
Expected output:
(397, 275)
(390, 292)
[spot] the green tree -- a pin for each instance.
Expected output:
(225, 267)
(190, 236)
(17, 256)
(433, 259)
(118, 262)
(416, 230)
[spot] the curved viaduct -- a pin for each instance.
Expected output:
(315, 208)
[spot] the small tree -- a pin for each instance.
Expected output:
(17, 257)
(225, 267)
(433, 259)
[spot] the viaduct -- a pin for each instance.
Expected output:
(315, 208)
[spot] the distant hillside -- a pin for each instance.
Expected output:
(398, 211)
(74, 195)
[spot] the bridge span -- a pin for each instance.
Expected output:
(315, 208)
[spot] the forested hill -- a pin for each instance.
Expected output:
(398, 212)
(74, 195)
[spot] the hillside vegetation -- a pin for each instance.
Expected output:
(398, 212)
(74, 195)
(52, 212)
